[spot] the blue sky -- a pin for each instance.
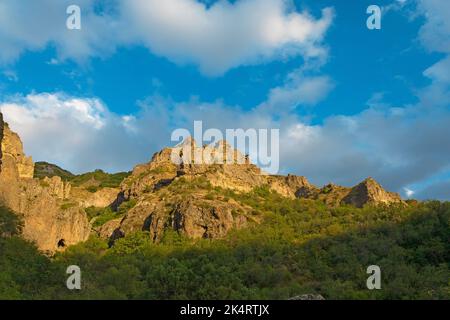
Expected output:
(349, 102)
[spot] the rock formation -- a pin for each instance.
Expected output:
(367, 192)
(182, 189)
(49, 219)
(13, 150)
(172, 192)
(370, 192)
(101, 198)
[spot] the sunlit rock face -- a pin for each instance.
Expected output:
(173, 192)
(370, 192)
(48, 221)
(182, 189)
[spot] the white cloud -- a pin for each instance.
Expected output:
(437, 94)
(408, 192)
(435, 33)
(299, 90)
(226, 35)
(81, 134)
(398, 146)
(435, 36)
(439, 71)
(216, 38)
(33, 25)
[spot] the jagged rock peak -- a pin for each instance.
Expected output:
(12, 148)
(370, 192)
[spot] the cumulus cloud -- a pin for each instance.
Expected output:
(225, 35)
(435, 33)
(398, 146)
(33, 25)
(81, 134)
(437, 94)
(299, 90)
(402, 147)
(216, 38)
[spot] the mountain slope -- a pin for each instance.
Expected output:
(192, 200)
(170, 193)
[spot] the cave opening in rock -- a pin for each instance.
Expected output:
(61, 243)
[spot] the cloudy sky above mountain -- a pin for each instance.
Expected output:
(349, 102)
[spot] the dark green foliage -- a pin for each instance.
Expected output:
(10, 224)
(45, 169)
(24, 273)
(101, 178)
(103, 215)
(300, 247)
(68, 205)
(98, 178)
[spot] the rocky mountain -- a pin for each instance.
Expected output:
(190, 198)
(42, 204)
(171, 192)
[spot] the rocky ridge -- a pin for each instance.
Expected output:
(171, 192)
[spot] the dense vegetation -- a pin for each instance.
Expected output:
(100, 179)
(103, 215)
(92, 180)
(44, 169)
(300, 247)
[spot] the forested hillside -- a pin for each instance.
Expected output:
(302, 246)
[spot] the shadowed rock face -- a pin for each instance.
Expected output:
(48, 221)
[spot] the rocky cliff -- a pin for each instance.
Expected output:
(173, 193)
(367, 192)
(49, 219)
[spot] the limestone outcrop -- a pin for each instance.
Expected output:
(12, 148)
(183, 189)
(194, 217)
(172, 192)
(50, 219)
(101, 198)
(370, 192)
